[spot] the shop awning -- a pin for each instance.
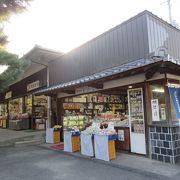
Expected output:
(104, 74)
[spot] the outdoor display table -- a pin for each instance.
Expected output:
(105, 147)
(52, 135)
(71, 141)
(87, 144)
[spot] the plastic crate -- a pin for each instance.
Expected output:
(112, 137)
(56, 135)
(75, 143)
(112, 152)
(75, 133)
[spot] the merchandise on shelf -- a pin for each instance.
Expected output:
(3, 116)
(105, 108)
(98, 131)
(118, 119)
(28, 104)
(15, 108)
(71, 121)
(40, 111)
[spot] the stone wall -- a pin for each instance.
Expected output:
(165, 144)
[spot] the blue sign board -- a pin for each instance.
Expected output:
(175, 96)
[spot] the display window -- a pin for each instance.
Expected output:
(100, 107)
(174, 92)
(3, 110)
(40, 111)
(136, 110)
(28, 104)
(15, 108)
(158, 105)
(3, 115)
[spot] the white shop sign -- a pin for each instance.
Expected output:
(8, 95)
(85, 89)
(155, 110)
(33, 85)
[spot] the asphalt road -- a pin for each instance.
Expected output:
(37, 163)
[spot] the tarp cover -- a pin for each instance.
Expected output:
(50, 135)
(67, 141)
(101, 147)
(86, 145)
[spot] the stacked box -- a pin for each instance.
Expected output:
(56, 137)
(75, 143)
(112, 152)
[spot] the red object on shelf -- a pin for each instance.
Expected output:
(100, 99)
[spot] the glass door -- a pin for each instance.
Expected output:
(136, 121)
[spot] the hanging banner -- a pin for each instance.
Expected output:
(175, 96)
(155, 109)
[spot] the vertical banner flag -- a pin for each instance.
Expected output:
(175, 96)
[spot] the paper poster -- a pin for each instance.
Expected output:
(163, 113)
(155, 110)
(121, 135)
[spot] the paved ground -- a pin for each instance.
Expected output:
(37, 163)
(134, 162)
(8, 135)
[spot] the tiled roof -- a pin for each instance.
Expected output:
(106, 73)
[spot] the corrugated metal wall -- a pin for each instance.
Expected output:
(161, 34)
(122, 44)
(139, 37)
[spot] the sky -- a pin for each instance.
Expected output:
(3, 68)
(63, 25)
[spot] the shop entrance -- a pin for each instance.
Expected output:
(136, 121)
(104, 107)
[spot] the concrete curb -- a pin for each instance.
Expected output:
(123, 167)
(12, 142)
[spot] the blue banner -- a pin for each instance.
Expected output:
(175, 96)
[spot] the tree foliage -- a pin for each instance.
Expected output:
(7, 7)
(16, 66)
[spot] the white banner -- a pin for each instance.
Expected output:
(155, 110)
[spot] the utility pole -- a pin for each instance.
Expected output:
(170, 15)
(169, 9)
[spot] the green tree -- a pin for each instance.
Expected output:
(15, 65)
(15, 69)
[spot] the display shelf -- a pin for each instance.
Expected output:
(39, 116)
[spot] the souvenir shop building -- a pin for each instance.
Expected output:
(130, 76)
(19, 108)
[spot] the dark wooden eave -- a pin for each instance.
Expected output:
(149, 71)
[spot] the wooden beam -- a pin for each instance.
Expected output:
(68, 91)
(96, 85)
(150, 73)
